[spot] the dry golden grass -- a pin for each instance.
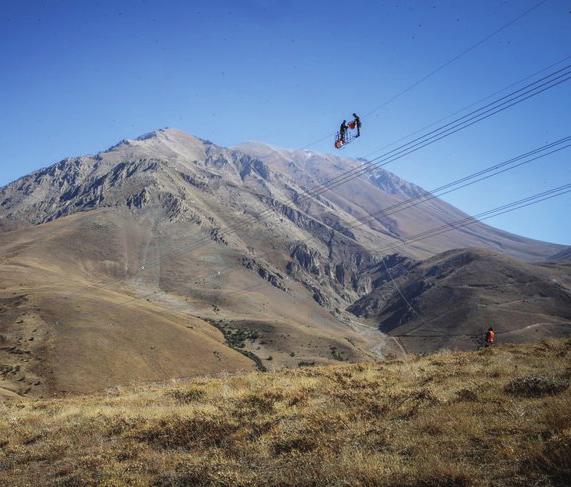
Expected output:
(450, 419)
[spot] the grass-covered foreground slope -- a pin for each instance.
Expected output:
(494, 417)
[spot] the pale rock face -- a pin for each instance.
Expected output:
(328, 235)
(170, 161)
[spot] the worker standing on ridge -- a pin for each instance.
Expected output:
(357, 123)
(490, 337)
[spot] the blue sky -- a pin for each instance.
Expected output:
(76, 77)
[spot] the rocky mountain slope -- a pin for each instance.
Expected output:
(168, 255)
(183, 183)
(167, 168)
(562, 256)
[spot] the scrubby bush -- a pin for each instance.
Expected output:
(466, 395)
(555, 459)
(536, 386)
(186, 396)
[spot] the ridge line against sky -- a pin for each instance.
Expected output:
(79, 77)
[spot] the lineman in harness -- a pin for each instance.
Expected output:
(356, 124)
(344, 136)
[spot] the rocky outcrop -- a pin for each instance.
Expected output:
(319, 296)
(308, 259)
(217, 235)
(139, 200)
(248, 166)
(263, 270)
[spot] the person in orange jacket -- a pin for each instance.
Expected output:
(490, 337)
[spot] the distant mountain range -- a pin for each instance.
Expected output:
(168, 255)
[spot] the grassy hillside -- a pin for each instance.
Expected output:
(494, 417)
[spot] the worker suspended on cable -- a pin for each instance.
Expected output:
(343, 131)
(490, 337)
(356, 124)
(344, 136)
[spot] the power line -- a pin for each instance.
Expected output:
(482, 113)
(539, 86)
(470, 220)
(436, 70)
(460, 110)
(473, 178)
(491, 171)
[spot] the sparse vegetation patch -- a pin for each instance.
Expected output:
(186, 396)
(236, 338)
(536, 386)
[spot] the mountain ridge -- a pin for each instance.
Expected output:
(174, 147)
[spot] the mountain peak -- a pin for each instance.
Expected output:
(163, 135)
(165, 143)
(166, 133)
(158, 133)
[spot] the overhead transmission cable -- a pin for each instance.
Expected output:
(465, 181)
(460, 110)
(479, 217)
(518, 96)
(501, 104)
(436, 70)
(491, 171)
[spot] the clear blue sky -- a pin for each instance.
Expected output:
(77, 76)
